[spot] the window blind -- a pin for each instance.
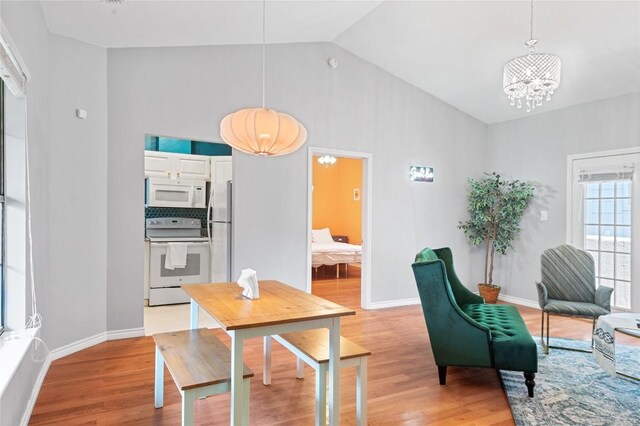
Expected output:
(606, 175)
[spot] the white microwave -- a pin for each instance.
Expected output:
(162, 192)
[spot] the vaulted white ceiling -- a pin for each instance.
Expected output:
(454, 50)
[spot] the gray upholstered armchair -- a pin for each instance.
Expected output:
(568, 287)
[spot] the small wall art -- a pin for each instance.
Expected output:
(421, 174)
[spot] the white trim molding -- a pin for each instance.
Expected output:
(394, 303)
(366, 196)
(519, 301)
(70, 349)
(125, 334)
(35, 392)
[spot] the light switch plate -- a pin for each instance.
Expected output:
(544, 215)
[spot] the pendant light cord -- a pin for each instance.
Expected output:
(264, 50)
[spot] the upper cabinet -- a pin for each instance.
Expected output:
(173, 166)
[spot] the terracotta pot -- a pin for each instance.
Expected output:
(489, 292)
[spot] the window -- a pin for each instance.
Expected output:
(604, 217)
(607, 235)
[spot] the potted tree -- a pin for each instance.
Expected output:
(496, 207)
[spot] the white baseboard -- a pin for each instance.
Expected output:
(394, 303)
(81, 344)
(125, 334)
(35, 392)
(70, 349)
(519, 301)
(76, 346)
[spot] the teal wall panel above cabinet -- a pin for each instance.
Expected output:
(185, 146)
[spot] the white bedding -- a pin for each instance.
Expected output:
(334, 253)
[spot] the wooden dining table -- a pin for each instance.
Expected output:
(280, 309)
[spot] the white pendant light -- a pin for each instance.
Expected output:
(263, 131)
(530, 79)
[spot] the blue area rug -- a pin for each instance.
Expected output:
(571, 389)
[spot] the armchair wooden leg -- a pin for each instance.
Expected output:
(530, 382)
(442, 374)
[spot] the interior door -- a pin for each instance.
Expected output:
(604, 219)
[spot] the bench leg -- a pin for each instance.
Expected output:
(361, 393)
(266, 352)
(321, 395)
(528, 380)
(299, 368)
(159, 385)
(188, 399)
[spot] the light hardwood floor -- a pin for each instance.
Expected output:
(112, 383)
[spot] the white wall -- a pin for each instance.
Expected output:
(68, 165)
(186, 91)
(535, 149)
(77, 192)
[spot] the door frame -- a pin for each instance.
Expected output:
(635, 272)
(366, 196)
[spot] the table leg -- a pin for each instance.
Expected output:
(334, 372)
(266, 353)
(321, 395)
(193, 320)
(361, 393)
(238, 415)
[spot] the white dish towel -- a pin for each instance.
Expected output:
(176, 257)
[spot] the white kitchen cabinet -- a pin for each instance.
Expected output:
(189, 166)
(158, 164)
(173, 166)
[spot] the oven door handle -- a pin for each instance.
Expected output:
(194, 244)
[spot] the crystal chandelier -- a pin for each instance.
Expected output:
(531, 78)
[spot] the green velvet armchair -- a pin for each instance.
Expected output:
(463, 330)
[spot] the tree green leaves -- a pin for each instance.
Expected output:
(496, 207)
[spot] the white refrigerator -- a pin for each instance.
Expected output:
(219, 226)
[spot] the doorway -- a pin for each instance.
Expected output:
(339, 225)
(603, 210)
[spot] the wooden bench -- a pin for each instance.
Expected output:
(200, 365)
(312, 347)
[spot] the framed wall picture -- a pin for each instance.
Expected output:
(421, 174)
(356, 194)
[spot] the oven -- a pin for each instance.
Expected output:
(164, 283)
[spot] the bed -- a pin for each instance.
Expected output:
(325, 251)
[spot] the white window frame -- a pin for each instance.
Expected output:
(570, 213)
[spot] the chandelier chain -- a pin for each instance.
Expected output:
(531, 23)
